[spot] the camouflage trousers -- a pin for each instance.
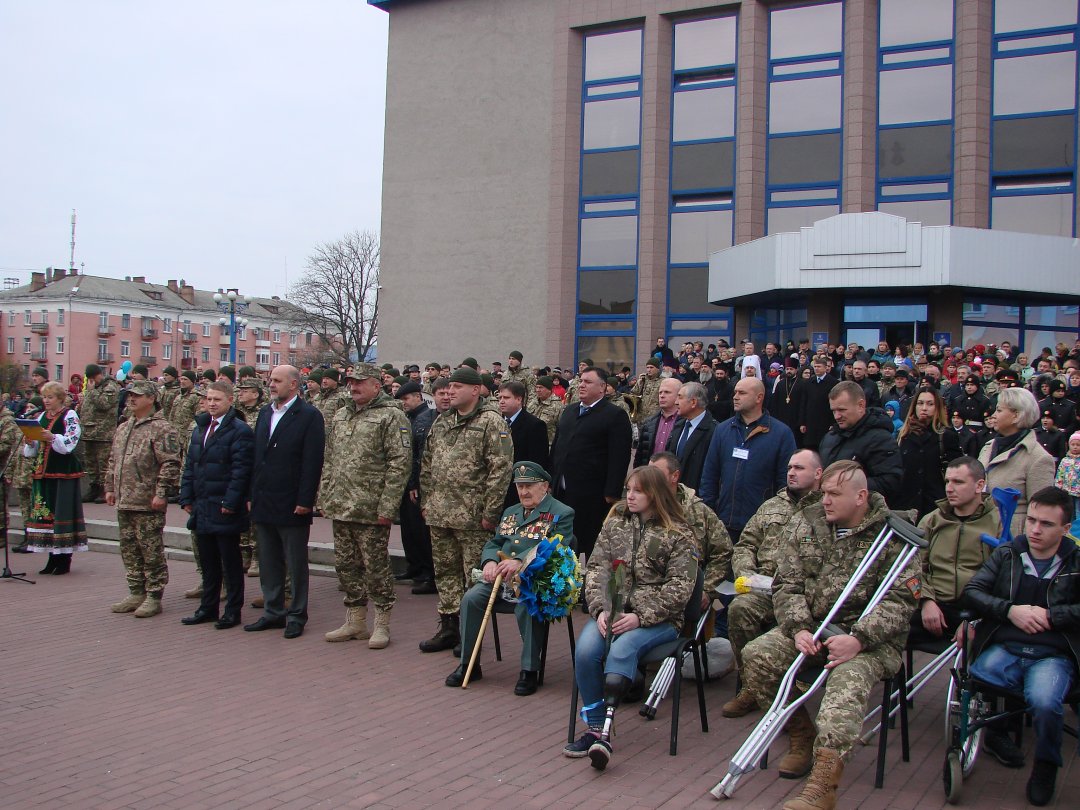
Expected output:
(195, 551)
(455, 552)
(249, 549)
(97, 460)
(362, 561)
(142, 549)
(748, 616)
(840, 717)
(26, 502)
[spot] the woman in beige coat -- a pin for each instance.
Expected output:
(1014, 458)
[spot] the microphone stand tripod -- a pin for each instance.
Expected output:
(7, 573)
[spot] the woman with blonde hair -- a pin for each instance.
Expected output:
(926, 447)
(640, 576)
(1014, 458)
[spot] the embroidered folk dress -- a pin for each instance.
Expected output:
(56, 522)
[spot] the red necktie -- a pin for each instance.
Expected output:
(209, 433)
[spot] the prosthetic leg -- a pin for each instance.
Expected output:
(615, 687)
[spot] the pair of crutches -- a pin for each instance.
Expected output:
(666, 674)
(771, 725)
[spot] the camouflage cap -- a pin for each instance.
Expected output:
(249, 382)
(529, 472)
(143, 388)
(363, 371)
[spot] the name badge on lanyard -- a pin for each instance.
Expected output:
(740, 452)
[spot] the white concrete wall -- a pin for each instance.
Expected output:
(465, 179)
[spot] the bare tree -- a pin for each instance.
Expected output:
(337, 296)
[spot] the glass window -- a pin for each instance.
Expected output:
(607, 292)
(166, 351)
(915, 151)
(987, 311)
(1027, 15)
(206, 354)
(701, 114)
(125, 349)
(612, 123)
(1043, 142)
(60, 317)
(609, 173)
(612, 56)
(688, 290)
(1044, 41)
(705, 43)
(1036, 83)
(607, 206)
(804, 105)
(714, 326)
(1050, 214)
(607, 351)
(915, 94)
(696, 234)
(804, 194)
(928, 212)
(805, 159)
(862, 313)
(59, 345)
(909, 22)
(612, 89)
(789, 220)
(1035, 340)
(703, 165)
(605, 326)
(899, 189)
(805, 31)
(608, 241)
(125, 321)
(1051, 316)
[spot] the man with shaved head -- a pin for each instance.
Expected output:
(824, 545)
(747, 459)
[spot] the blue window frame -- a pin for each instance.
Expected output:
(1029, 325)
(1034, 124)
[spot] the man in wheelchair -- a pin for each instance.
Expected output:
(1028, 597)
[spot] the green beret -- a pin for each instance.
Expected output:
(140, 369)
(171, 371)
(613, 382)
(529, 472)
(41, 371)
(652, 361)
(92, 370)
(411, 387)
(332, 373)
(488, 382)
(401, 380)
(210, 375)
(315, 375)
(189, 374)
(547, 382)
(436, 366)
(228, 371)
(393, 372)
(471, 363)
(386, 366)
(466, 375)
(247, 371)
(517, 355)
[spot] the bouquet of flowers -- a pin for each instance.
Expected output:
(550, 582)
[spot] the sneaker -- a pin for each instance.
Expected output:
(1002, 748)
(600, 754)
(580, 747)
(1040, 787)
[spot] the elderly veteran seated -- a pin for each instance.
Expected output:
(537, 517)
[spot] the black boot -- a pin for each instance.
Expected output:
(50, 566)
(63, 564)
(21, 548)
(615, 687)
(445, 637)
(1040, 787)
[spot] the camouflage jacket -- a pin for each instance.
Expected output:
(182, 414)
(711, 536)
(649, 391)
(328, 402)
(98, 411)
(10, 438)
(548, 412)
(466, 468)
(167, 394)
(571, 391)
(144, 462)
(762, 540)
(661, 568)
(816, 565)
(525, 376)
(249, 415)
(364, 477)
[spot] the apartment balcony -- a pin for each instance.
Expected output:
(105, 357)
(187, 338)
(105, 331)
(223, 340)
(38, 356)
(149, 361)
(262, 344)
(149, 334)
(39, 328)
(188, 363)
(262, 367)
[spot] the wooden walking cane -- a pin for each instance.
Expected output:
(483, 625)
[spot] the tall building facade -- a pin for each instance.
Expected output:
(575, 178)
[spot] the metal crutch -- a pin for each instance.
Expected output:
(914, 685)
(772, 724)
(665, 676)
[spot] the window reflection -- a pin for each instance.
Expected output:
(608, 241)
(805, 159)
(702, 114)
(804, 105)
(607, 173)
(1027, 15)
(612, 123)
(705, 43)
(696, 234)
(607, 351)
(688, 290)
(1027, 144)
(1035, 83)
(805, 31)
(909, 22)
(607, 292)
(1049, 214)
(790, 220)
(915, 94)
(612, 56)
(915, 151)
(928, 212)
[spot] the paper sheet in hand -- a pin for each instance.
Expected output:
(31, 429)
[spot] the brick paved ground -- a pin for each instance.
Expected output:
(107, 711)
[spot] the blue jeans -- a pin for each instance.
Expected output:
(626, 649)
(1045, 682)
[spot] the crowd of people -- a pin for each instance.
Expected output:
(711, 464)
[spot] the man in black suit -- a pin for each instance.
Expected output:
(289, 440)
(590, 456)
(815, 413)
(690, 439)
(528, 432)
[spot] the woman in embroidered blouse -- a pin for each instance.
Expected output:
(56, 522)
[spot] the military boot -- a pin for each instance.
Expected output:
(380, 636)
(194, 593)
(355, 626)
(819, 792)
(253, 569)
(797, 762)
(445, 637)
(129, 604)
(151, 606)
(740, 705)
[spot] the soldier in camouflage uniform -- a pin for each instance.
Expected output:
(19, 474)
(648, 388)
(432, 372)
(249, 401)
(330, 398)
(615, 399)
(760, 546)
(361, 488)
(313, 386)
(824, 548)
(515, 372)
(572, 384)
(183, 406)
(97, 415)
(548, 407)
(169, 390)
(464, 474)
(10, 439)
(143, 467)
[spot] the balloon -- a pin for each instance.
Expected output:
(126, 367)
(121, 375)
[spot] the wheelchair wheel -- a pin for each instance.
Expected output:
(953, 776)
(967, 749)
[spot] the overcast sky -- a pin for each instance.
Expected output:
(212, 140)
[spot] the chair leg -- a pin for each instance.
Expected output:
(677, 687)
(543, 655)
(573, 713)
(495, 634)
(699, 672)
(901, 679)
(573, 641)
(910, 668)
(883, 734)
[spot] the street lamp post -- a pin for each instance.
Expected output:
(232, 305)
